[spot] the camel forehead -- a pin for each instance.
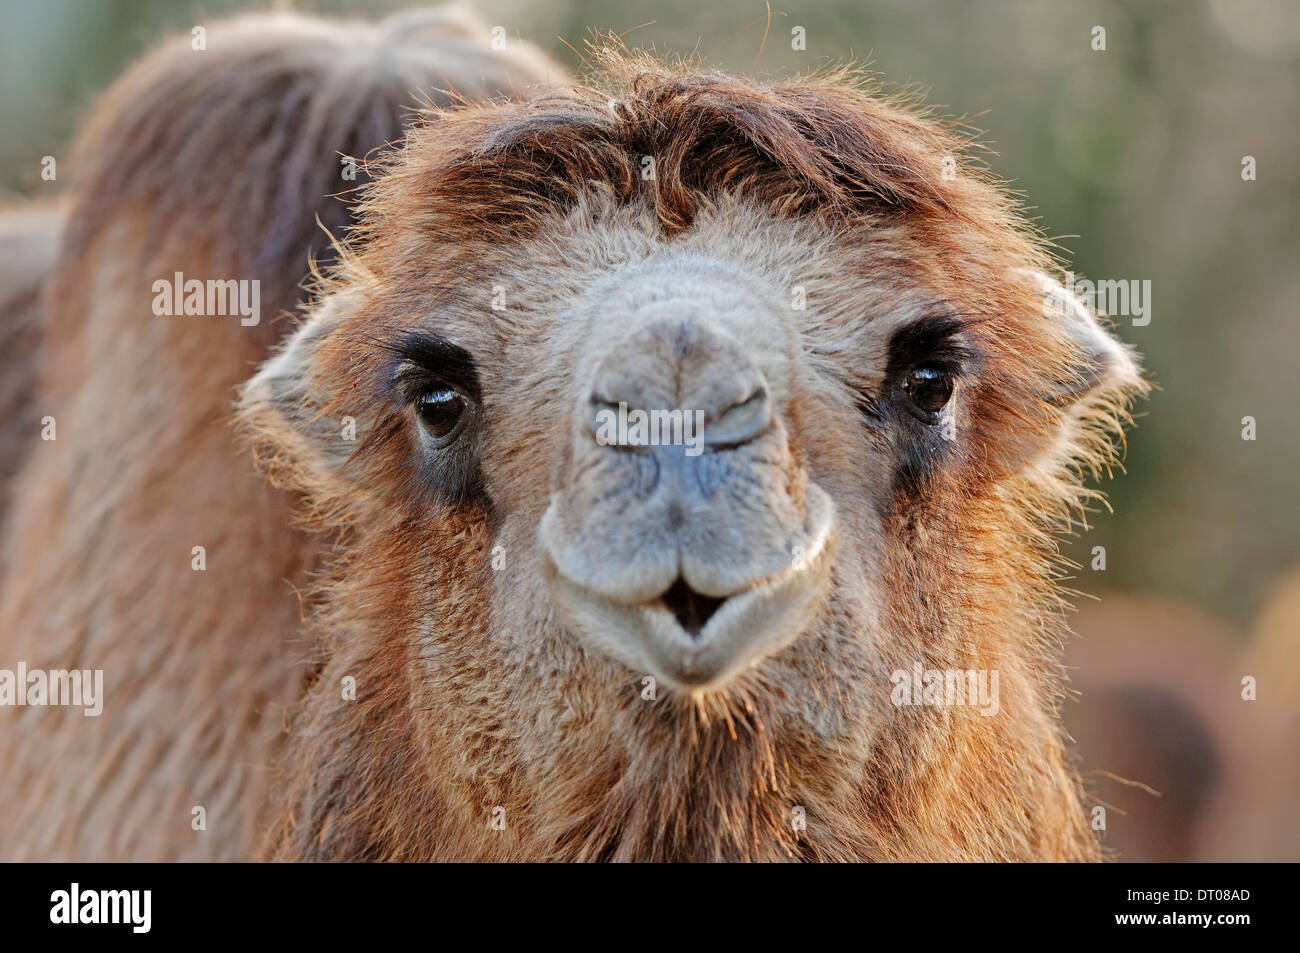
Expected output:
(833, 202)
(778, 283)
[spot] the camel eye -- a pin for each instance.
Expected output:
(441, 411)
(928, 388)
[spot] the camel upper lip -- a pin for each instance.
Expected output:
(684, 610)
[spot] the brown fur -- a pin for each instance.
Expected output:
(218, 164)
(472, 695)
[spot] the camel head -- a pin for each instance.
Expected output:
(659, 422)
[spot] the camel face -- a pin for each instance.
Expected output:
(663, 436)
(683, 536)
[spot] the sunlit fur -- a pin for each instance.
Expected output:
(472, 696)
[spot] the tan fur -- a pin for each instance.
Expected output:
(475, 698)
(221, 163)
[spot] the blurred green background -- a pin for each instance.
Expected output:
(1131, 159)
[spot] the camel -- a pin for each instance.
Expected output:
(541, 636)
(470, 621)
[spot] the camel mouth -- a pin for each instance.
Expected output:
(691, 609)
(686, 638)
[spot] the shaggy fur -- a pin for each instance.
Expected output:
(222, 163)
(476, 699)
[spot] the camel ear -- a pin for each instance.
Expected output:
(295, 444)
(1090, 387)
(1103, 367)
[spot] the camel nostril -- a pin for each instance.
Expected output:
(692, 609)
(740, 422)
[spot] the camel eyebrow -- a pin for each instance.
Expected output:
(932, 338)
(422, 359)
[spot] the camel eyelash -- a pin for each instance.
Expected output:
(932, 340)
(423, 361)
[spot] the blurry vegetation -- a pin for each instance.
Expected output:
(1131, 159)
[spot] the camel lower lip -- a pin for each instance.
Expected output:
(691, 649)
(648, 638)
